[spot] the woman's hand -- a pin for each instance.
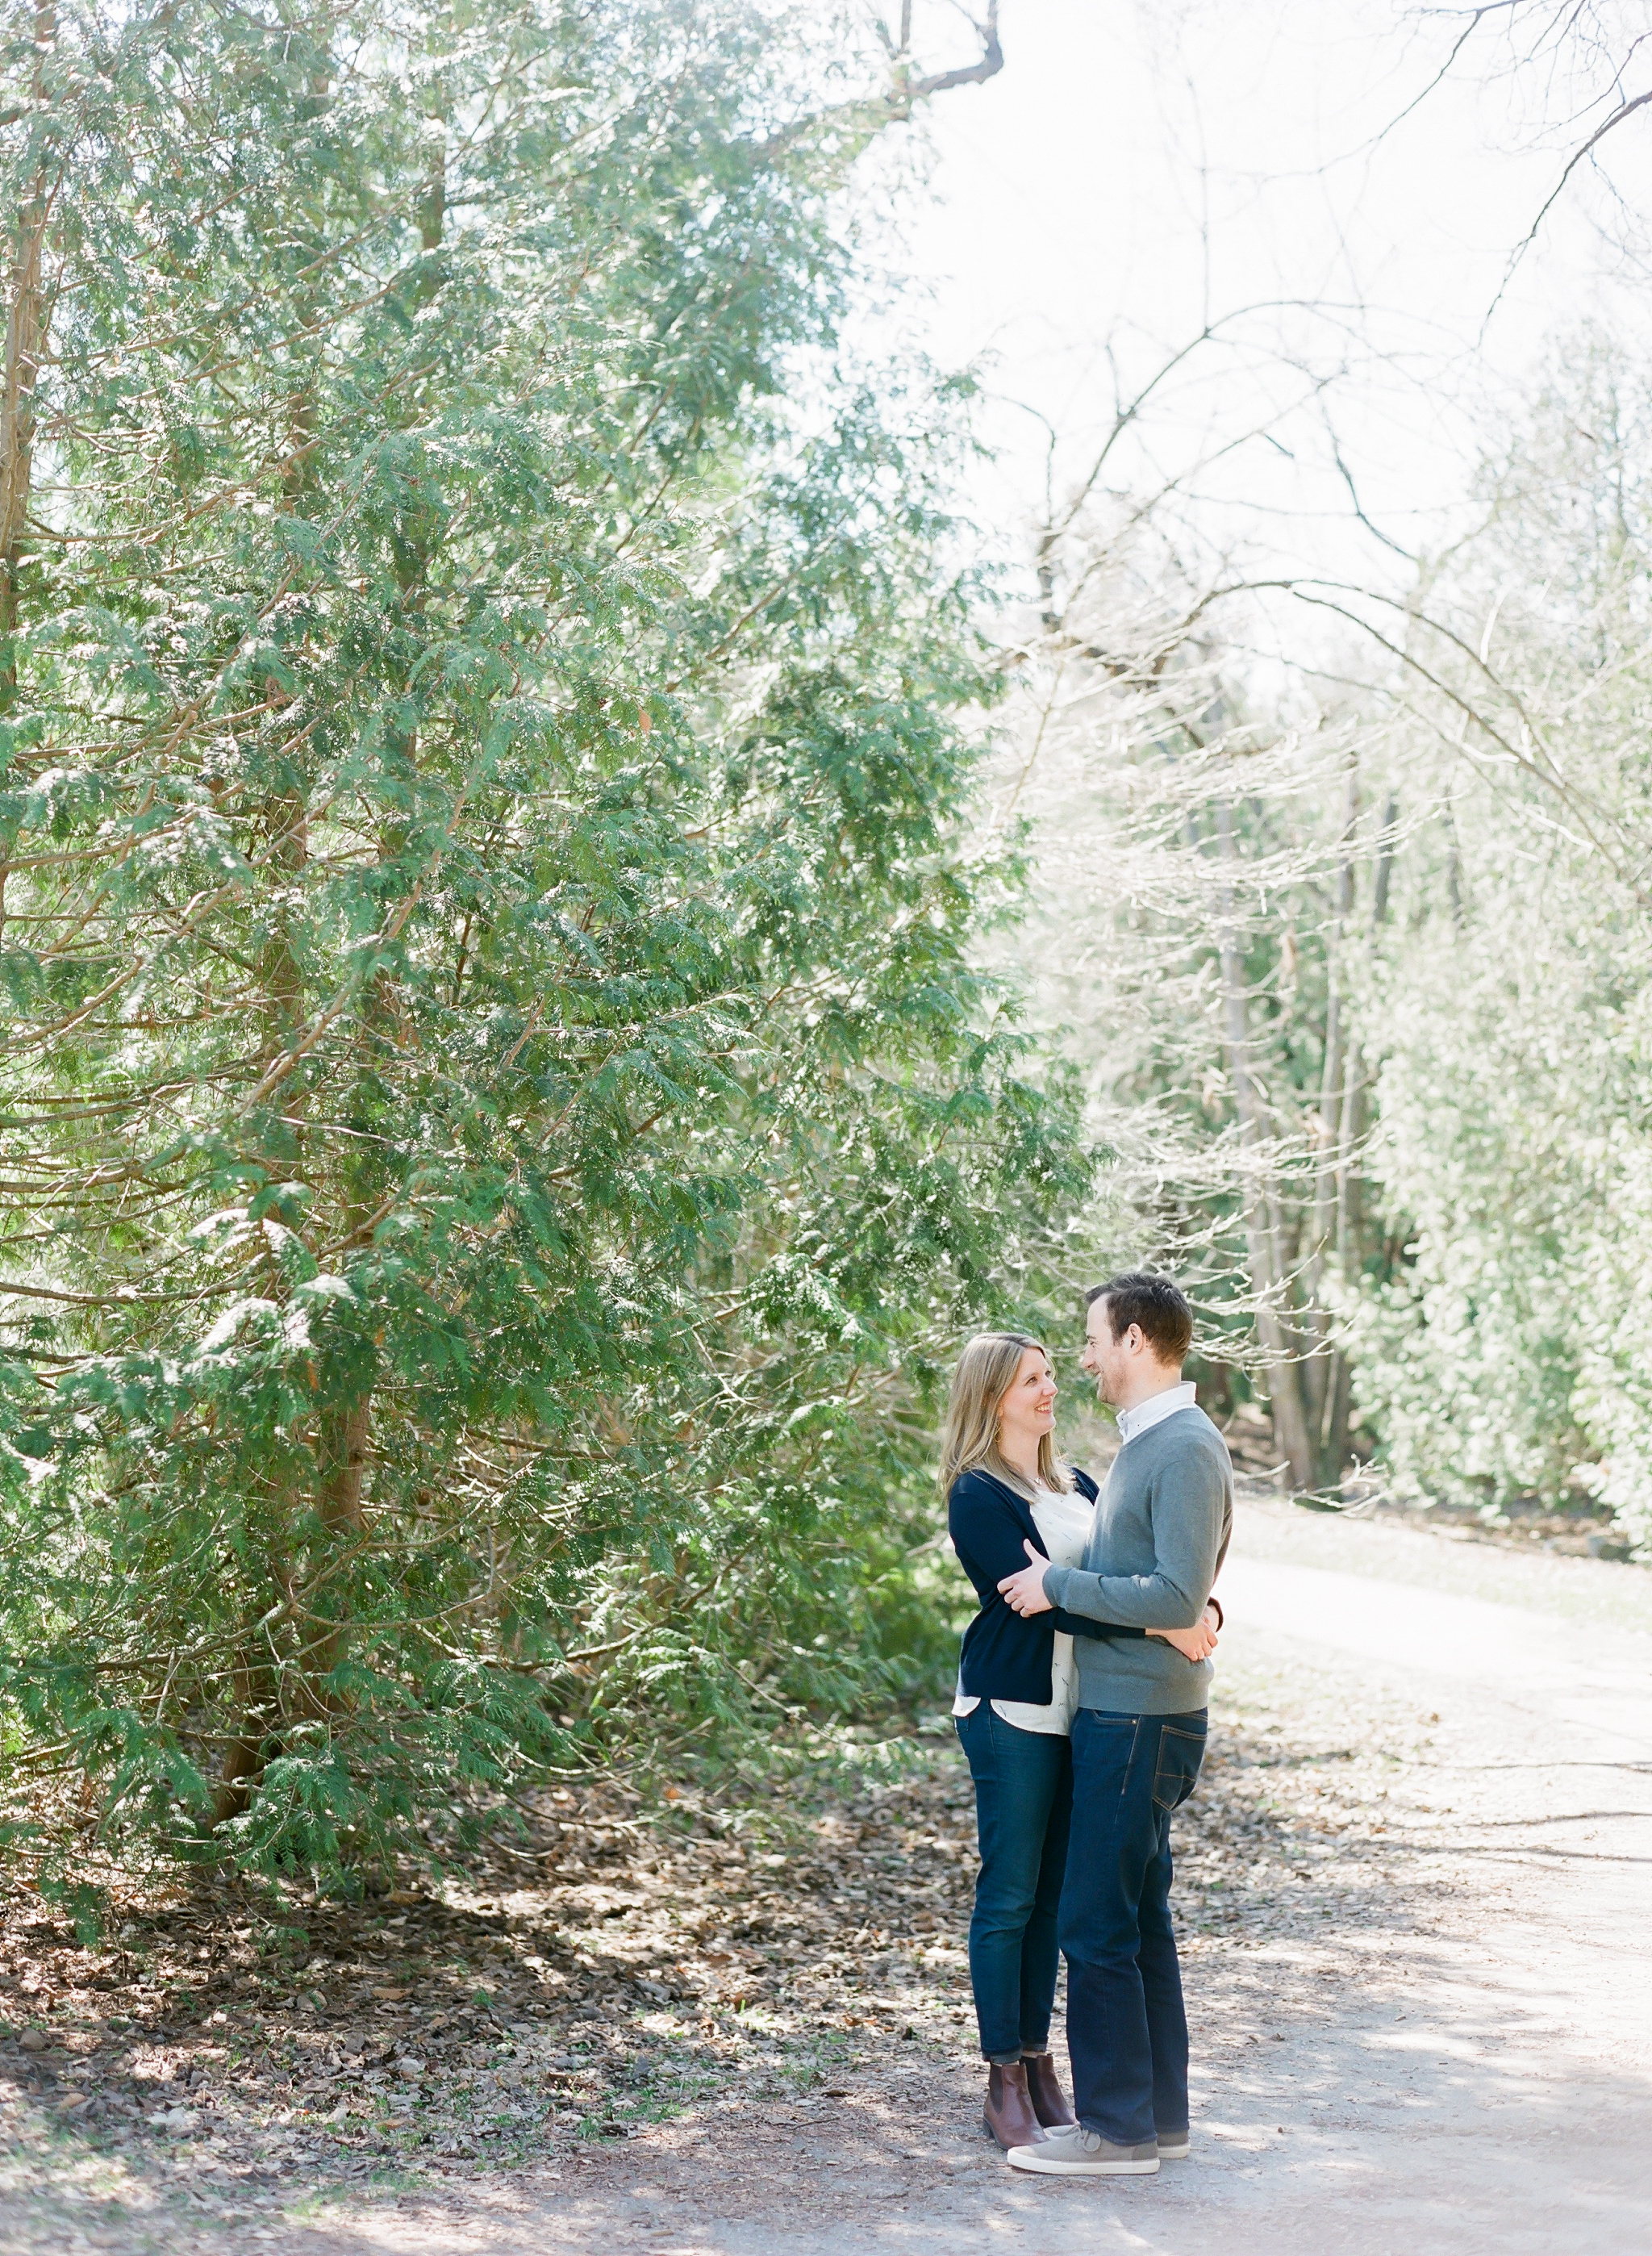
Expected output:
(1198, 1643)
(1024, 1593)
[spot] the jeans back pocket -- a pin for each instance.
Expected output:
(1180, 1755)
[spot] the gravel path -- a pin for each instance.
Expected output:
(1415, 1885)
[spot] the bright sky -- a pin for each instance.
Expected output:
(1140, 168)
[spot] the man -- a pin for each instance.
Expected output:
(1160, 1534)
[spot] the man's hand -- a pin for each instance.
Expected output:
(1024, 1592)
(1198, 1643)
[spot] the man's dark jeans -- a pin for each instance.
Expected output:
(1126, 2031)
(1023, 1797)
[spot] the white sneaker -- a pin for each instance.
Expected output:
(1073, 2152)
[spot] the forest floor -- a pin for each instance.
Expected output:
(1413, 1886)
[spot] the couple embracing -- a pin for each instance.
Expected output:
(1081, 1706)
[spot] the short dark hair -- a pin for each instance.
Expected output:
(1136, 1297)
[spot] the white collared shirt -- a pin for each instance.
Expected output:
(1148, 1413)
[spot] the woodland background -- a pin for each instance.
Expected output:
(572, 925)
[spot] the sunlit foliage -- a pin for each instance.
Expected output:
(498, 1120)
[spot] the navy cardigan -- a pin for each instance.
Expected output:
(1007, 1655)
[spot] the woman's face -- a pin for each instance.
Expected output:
(1028, 1410)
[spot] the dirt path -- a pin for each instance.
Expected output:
(1417, 1894)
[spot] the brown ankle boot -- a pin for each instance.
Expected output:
(1007, 2114)
(1044, 2087)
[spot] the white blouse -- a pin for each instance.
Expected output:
(1064, 1524)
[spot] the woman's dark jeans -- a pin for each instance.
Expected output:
(1023, 1801)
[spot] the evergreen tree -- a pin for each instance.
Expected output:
(498, 1117)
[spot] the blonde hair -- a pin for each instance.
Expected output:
(969, 1439)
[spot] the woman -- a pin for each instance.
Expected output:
(1016, 1687)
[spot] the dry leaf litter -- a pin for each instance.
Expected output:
(613, 1970)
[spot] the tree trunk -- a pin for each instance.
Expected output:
(25, 345)
(344, 1468)
(341, 1466)
(242, 1766)
(1263, 1233)
(1329, 1421)
(252, 1698)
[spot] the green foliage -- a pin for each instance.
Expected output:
(1363, 994)
(499, 1123)
(1509, 1357)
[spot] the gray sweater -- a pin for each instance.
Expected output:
(1161, 1531)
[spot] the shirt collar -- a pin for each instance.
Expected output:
(1162, 1405)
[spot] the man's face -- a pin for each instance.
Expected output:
(1105, 1359)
